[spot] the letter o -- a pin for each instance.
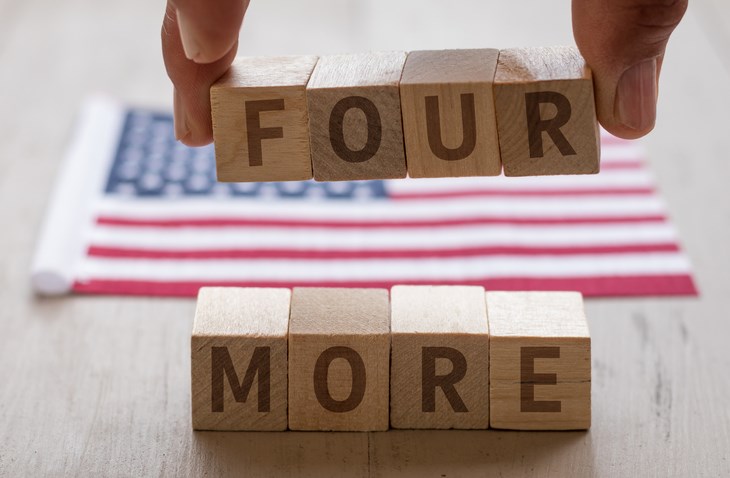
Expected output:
(321, 371)
(337, 134)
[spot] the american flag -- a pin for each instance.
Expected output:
(134, 212)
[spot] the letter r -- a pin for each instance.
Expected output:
(536, 125)
(429, 379)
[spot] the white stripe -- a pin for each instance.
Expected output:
(259, 208)
(612, 179)
(81, 174)
(444, 269)
(358, 239)
(622, 151)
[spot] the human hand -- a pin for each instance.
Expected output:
(623, 41)
(199, 43)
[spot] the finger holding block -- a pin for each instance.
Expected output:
(355, 117)
(260, 122)
(449, 121)
(439, 357)
(540, 361)
(339, 356)
(546, 115)
(239, 359)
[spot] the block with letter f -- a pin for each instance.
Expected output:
(260, 120)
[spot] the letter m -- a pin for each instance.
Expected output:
(222, 365)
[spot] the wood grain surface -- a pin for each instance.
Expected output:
(546, 113)
(260, 120)
(449, 123)
(539, 361)
(439, 374)
(339, 359)
(100, 386)
(355, 117)
(237, 330)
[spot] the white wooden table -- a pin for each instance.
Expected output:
(99, 386)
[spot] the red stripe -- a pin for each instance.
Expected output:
(462, 193)
(661, 285)
(364, 224)
(318, 254)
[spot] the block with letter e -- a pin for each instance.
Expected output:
(260, 122)
(539, 361)
(339, 356)
(355, 121)
(546, 115)
(239, 359)
(439, 357)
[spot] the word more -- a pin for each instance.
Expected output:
(433, 357)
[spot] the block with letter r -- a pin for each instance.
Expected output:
(546, 114)
(439, 357)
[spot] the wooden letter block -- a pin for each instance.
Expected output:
(546, 114)
(339, 356)
(239, 365)
(260, 124)
(539, 361)
(440, 357)
(355, 117)
(449, 122)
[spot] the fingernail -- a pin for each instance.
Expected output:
(182, 129)
(636, 96)
(189, 42)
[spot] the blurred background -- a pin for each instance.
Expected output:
(54, 55)
(99, 385)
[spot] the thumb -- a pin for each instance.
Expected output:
(624, 41)
(208, 29)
